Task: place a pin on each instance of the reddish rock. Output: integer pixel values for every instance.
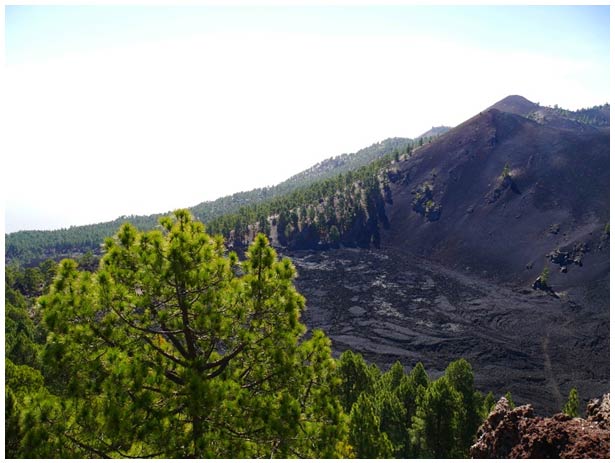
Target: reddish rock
(517, 433)
(598, 411)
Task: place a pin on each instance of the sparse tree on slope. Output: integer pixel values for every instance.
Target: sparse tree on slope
(571, 408)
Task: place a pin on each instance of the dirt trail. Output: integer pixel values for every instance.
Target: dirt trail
(549, 372)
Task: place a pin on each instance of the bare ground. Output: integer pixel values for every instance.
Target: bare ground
(389, 306)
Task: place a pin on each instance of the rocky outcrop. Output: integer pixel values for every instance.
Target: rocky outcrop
(424, 203)
(517, 433)
(504, 184)
(599, 411)
(565, 257)
(540, 284)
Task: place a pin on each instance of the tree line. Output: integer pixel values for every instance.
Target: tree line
(31, 247)
(346, 209)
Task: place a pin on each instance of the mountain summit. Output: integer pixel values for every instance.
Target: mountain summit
(515, 104)
(508, 191)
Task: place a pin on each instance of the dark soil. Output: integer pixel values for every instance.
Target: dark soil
(389, 306)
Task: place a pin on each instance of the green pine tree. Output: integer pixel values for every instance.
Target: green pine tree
(435, 424)
(174, 348)
(488, 404)
(365, 436)
(460, 376)
(354, 378)
(571, 408)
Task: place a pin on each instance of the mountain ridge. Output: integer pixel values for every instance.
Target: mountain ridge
(22, 245)
(63, 240)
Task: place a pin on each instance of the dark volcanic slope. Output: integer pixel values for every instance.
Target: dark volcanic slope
(391, 306)
(516, 104)
(557, 197)
(474, 216)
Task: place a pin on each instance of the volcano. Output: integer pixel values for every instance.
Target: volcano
(517, 194)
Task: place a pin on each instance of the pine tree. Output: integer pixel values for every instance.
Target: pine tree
(354, 378)
(505, 171)
(508, 396)
(460, 376)
(365, 436)
(544, 276)
(434, 427)
(488, 404)
(175, 349)
(571, 408)
(393, 421)
(409, 390)
(334, 235)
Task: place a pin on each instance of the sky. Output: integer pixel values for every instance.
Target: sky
(115, 111)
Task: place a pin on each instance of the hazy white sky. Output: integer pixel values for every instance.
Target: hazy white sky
(134, 110)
